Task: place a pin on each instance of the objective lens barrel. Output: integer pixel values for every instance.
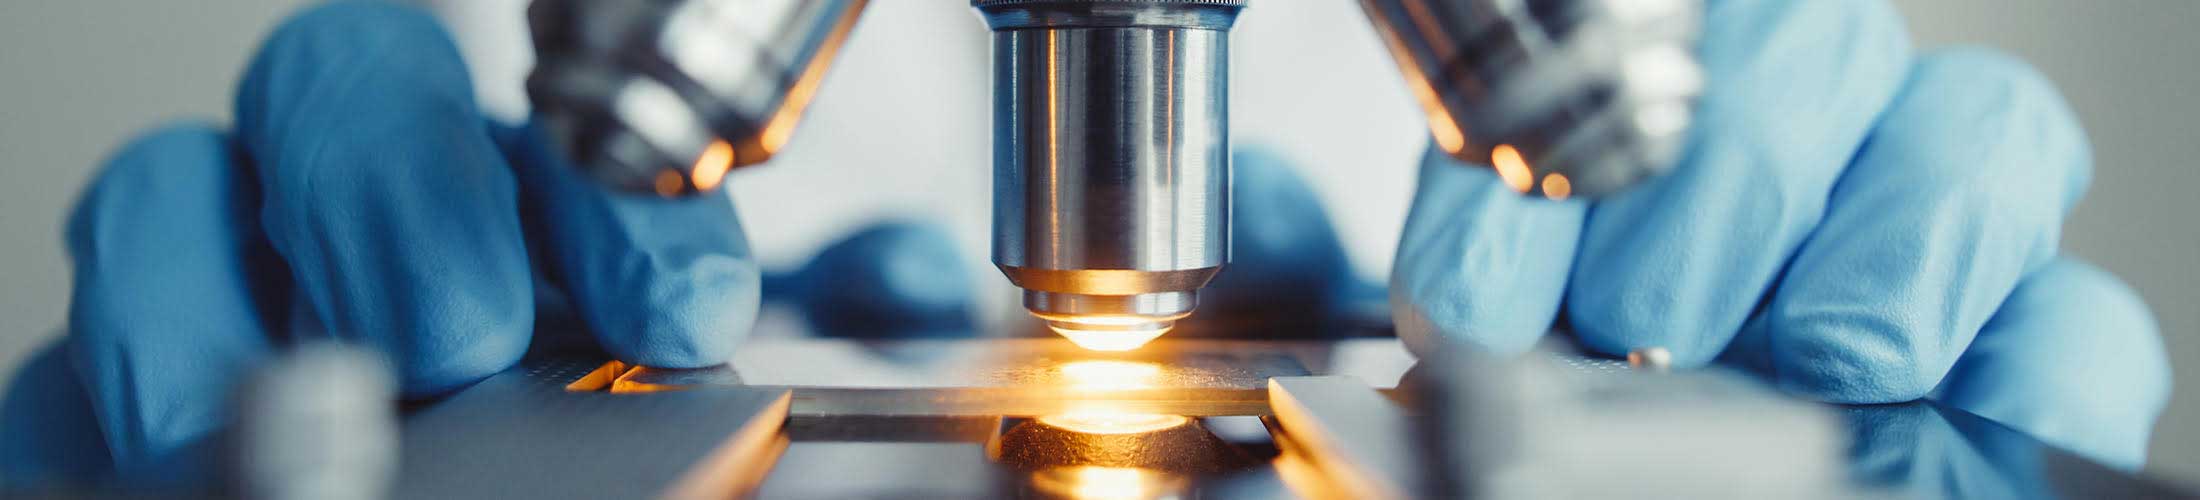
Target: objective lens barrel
(1562, 97)
(1111, 173)
(666, 95)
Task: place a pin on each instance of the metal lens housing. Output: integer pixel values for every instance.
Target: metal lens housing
(1111, 173)
(1562, 97)
(666, 95)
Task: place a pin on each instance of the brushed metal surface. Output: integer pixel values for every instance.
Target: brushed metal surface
(1353, 438)
(636, 93)
(530, 433)
(523, 434)
(1598, 94)
(1028, 377)
(1111, 153)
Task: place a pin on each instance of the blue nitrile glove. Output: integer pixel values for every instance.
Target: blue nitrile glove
(1288, 275)
(1858, 223)
(899, 279)
(361, 196)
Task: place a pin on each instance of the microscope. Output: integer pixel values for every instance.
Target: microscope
(1111, 143)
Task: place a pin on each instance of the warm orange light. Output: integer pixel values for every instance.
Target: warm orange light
(1109, 333)
(782, 123)
(669, 183)
(1556, 187)
(780, 127)
(1101, 421)
(1512, 167)
(1446, 131)
(1109, 375)
(600, 378)
(1440, 123)
(1087, 482)
(1302, 478)
(1110, 340)
(711, 167)
(1103, 417)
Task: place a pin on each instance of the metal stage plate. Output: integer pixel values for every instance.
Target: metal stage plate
(1033, 376)
(1039, 418)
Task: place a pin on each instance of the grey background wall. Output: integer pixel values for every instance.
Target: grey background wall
(77, 77)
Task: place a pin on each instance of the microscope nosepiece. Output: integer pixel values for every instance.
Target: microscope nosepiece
(1111, 174)
(666, 96)
(1561, 97)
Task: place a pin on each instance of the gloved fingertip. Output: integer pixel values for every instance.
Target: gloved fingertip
(444, 358)
(48, 433)
(1938, 217)
(1683, 261)
(1479, 265)
(2075, 358)
(133, 172)
(172, 292)
(891, 278)
(1425, 331)
(1852, 359)
(353, 36)
(1991, 91)
(384, 193)
(690, 315)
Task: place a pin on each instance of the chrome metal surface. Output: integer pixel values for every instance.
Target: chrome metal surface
(1543, 425)
(1352, 440)
(1033, 377)
(524, 434)
(871, 468)
(1564, 97)
(1111, 174)
(665, 96)
(1024, 376)
(1040, 363)
(528, 433)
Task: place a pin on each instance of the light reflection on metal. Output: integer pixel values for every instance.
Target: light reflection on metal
(669, 183)
(1347, 432)
(1102, 417)
(1103, 421)
(1111, 159)
(1085, 482)
(1650, 358)
(1601, 90)
(600, 378)
(1300, 476)
(711, 167)
(1109, 333)
(1441, 125)
(782, 123)
(1107, 374)
(632, 91)
(1167, 443)
(1512, 168)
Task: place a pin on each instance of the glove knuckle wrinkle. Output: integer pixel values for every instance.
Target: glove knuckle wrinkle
(1862, 368)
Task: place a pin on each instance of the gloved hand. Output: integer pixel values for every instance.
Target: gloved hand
(363, 196)
(1855, 222)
